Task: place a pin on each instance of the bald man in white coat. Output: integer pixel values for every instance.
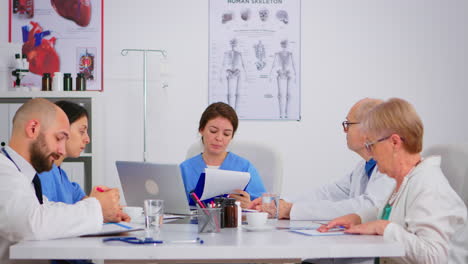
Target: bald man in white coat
(40, 130)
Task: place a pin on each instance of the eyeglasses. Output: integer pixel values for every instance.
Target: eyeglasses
(369, 145)
(346, 125)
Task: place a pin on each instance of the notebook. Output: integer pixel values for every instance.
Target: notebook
(145, 180)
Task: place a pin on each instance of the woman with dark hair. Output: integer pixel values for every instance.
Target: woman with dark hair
(217, 127)
(55, 183)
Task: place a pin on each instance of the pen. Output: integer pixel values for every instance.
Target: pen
(195, 198)
(99, 189)
(189, 241)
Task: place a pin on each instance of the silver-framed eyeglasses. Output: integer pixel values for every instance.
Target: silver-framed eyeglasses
(369, 145)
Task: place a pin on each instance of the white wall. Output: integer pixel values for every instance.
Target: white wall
(417, 50)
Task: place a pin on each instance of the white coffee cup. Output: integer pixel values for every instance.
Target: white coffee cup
(257, 218)
(135, 212)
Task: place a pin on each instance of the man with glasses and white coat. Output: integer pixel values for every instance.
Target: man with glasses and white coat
(363, 187)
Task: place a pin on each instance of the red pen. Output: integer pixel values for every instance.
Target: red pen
(197, 200)
(99, 189)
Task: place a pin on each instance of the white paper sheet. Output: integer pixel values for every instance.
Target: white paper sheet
(219, 182)
(109, 229)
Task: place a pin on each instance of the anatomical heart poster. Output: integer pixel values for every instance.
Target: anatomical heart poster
(255, 57)
(59, 36)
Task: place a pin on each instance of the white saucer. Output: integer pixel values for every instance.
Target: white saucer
(258, 228)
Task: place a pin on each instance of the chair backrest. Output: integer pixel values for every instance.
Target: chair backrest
(265, 158)
(454, 165)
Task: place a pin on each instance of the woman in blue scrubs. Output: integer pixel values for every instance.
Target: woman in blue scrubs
(55, 183)
(217, 127)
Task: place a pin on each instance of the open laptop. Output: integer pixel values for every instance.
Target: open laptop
(145, 180)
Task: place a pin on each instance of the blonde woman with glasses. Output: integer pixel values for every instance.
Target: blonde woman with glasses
(423, 212)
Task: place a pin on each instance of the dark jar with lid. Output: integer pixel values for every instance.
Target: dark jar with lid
(46, 82)
(67, 82)
(80, 82)
(220, 202)
(230, 213)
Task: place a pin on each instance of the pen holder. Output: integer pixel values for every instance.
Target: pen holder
(209, 220)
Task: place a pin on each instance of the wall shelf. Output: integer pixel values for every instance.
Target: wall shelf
(11, 100)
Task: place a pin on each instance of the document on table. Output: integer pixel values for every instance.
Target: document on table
(218, 182)
(298, 225)
(109, 229)
(314, 232)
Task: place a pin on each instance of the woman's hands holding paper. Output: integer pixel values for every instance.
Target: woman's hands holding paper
(242, 196)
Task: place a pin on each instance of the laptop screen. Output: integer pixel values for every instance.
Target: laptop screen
(145, 180)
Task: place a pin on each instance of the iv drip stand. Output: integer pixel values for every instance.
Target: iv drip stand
(124, 52)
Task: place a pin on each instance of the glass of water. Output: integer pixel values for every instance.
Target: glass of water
(154, 214)
(270, 204)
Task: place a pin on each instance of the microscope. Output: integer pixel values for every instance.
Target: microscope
(21, 69)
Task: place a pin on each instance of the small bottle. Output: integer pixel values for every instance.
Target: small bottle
(25, 62)
(80, 82)
(46, 82)
(57, 82)
(230, 213)
(67, 82)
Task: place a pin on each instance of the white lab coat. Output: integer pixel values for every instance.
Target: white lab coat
(23, 218)
(424, 216)
(459, 247)
(348, 195)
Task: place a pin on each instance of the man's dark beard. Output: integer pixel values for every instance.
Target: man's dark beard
(40, 159)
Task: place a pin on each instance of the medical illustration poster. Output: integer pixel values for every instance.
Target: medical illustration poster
(59, 36)
(254, 57)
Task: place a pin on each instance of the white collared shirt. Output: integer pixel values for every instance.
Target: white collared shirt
(24, 218)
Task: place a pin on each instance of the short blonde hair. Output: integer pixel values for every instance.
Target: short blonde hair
(396, 116)
(364, 106)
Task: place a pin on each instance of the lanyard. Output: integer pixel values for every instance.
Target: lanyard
(9, 157)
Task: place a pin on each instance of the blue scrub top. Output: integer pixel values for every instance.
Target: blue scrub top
(195, 166)
(57, 187)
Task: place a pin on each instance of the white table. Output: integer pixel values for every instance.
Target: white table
(231, 245)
